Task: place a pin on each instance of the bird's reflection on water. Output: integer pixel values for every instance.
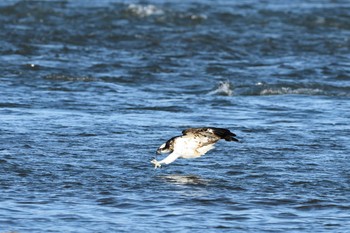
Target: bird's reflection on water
(185, 179)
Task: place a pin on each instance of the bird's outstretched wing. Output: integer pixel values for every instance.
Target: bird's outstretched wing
(211, 132)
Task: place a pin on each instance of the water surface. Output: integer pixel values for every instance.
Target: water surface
(88, 91)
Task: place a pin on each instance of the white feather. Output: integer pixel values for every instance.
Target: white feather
(205, 149)
(191, 147)
(170, 158)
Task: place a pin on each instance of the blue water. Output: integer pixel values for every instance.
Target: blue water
(90, 90)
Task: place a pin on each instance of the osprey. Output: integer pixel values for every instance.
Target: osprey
(193, 143)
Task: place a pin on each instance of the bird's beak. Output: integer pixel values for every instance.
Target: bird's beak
(158, 152)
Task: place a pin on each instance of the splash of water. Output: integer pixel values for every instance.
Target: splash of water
(224, 88)
(144, 10)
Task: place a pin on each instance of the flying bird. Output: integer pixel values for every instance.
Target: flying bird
(193, 143)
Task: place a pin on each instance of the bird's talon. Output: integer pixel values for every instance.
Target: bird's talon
(156, 163)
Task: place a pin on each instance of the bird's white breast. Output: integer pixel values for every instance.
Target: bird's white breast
(190, 147)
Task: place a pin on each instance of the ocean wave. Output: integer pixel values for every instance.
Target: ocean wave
(174, 109)
(144, 10)
(223, 88)
(227, 88)
(289, 90)
(265, 89)
(63, 77)
(163, 15)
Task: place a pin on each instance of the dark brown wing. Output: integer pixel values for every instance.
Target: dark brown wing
(221, 133)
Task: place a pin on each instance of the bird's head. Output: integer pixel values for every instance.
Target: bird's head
(163, 149)
(167, 147)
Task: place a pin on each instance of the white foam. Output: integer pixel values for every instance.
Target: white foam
(144, 10)
(199, 17)
(288, 90)
(224, 88)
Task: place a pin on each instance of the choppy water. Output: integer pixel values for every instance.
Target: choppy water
(89, 90)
